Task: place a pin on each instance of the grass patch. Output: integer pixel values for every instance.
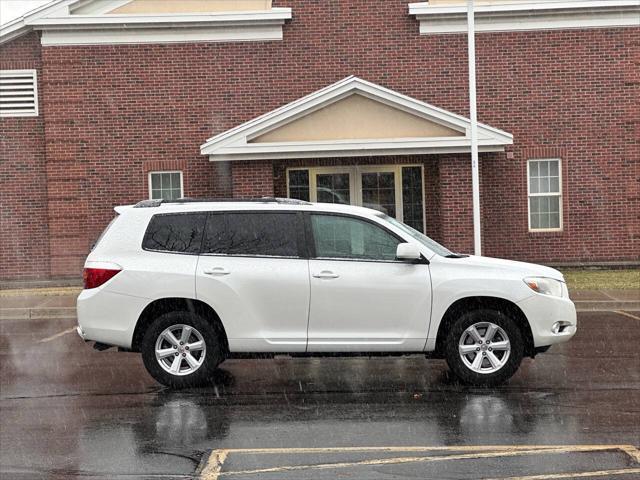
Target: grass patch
(581, 279)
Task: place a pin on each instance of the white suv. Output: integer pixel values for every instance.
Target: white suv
(191, 283)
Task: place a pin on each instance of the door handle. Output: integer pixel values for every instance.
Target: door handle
(325, 274)
(216, 271)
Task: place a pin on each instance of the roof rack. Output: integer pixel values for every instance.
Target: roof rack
(282, 201)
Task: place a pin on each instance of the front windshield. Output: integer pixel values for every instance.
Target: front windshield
(421, 237)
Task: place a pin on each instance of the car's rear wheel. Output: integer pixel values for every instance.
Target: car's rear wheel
(484, 347)
(181, 349)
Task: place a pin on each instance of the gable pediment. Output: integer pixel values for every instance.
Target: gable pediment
(352, 117)
(356, 117)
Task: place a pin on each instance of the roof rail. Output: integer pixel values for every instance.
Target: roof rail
(148, 203)
(282, 201)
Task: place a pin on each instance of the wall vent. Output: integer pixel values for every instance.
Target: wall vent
(18, 93)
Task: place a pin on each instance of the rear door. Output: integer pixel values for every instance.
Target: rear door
(254, 273)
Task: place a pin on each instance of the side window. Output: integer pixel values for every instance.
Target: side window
(181, 233)
(346, 237)
(261, 234)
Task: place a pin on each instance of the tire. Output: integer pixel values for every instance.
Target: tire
(464, 350)
(199, 368)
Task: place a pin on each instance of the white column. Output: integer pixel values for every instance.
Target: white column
(475, 174)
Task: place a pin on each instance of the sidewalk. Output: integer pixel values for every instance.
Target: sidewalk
(60, 302)
(38, 303)
(606, 300)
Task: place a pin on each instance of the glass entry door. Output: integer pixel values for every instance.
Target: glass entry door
(333, 188)
(378, 191)
(397, 190)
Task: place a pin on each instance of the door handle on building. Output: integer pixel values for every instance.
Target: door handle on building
(325, 274)
(216, 271)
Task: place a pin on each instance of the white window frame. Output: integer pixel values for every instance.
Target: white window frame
(355, 183)
(166, 171)
(558, 194)
(34, 76)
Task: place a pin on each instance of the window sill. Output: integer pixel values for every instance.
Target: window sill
(546, 231)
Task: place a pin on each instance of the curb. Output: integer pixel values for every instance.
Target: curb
(30, 284)
(606, 305)
(37, 313)
(41, 292)
(70, 312)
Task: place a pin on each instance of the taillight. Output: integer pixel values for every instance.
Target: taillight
(94, 277)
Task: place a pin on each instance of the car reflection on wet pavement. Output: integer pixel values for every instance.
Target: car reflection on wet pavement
(71, 412)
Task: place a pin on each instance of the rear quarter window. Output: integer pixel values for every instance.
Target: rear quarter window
(178, 233)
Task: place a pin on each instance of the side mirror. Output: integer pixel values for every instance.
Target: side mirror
(408, 252)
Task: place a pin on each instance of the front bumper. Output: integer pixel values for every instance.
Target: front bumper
(543, 312)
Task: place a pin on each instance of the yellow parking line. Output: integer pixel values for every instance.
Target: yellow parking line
(461, 448)
(627, 314)
(212, 468)
(555, 476)
(632, 451)
(401, 460)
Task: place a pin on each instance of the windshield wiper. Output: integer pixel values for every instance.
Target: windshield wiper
(456, 255)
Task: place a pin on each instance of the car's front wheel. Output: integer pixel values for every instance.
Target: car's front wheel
(181, 349)
(484, 347)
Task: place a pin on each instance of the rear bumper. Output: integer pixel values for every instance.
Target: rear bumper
(543, 312)
(108, 317)
(80, 332)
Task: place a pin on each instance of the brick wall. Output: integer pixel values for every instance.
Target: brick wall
(111, 110)
(24, 244)
(252, 179)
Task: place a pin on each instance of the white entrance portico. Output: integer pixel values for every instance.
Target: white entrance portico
(355, 118)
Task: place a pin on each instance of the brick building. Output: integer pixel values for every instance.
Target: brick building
(108, 102)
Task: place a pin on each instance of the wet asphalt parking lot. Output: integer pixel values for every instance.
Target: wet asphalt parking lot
(68, 411)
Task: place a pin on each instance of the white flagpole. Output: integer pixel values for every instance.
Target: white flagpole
(475, 175)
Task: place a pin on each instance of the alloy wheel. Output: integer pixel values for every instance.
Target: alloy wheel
(484, 347)
(180, 349)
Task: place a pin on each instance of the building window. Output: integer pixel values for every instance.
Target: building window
(397, 190)
(165, 185)
(545, 195)
(413, 197)
(299, 184)
(18, 93)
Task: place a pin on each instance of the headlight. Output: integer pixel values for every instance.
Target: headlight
(546, 286)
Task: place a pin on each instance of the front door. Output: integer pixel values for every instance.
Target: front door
(362, 299)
